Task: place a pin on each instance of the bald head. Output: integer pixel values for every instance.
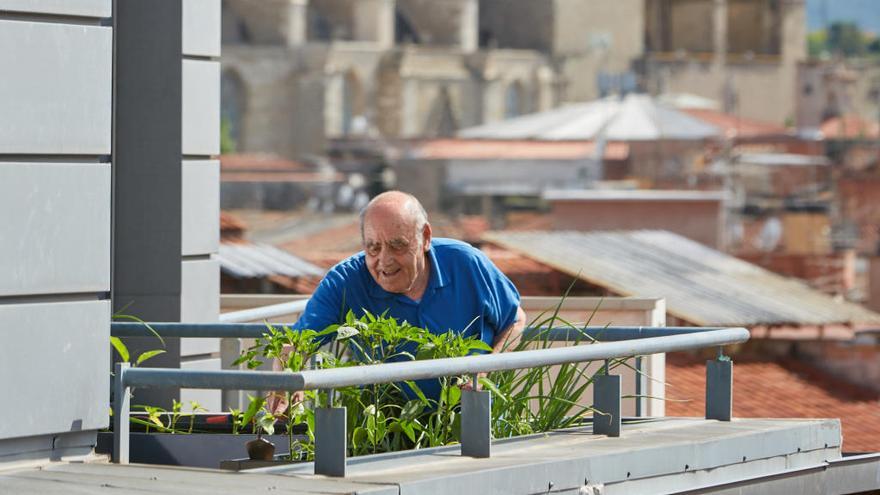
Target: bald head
(396, 206)
(397, 237)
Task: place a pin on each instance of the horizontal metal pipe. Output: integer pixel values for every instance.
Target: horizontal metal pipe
(196, 330)
(609, 333)
(255, 330)
(264, 312)
(432, 368)
(226, 379)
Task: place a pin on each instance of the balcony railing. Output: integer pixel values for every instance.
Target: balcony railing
(330, 423)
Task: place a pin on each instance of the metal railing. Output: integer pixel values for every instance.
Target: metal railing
(264, 312)
(330, 423)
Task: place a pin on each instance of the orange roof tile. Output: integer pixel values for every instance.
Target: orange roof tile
(785, 388)
(476, 149)
(850, 127)
(734, 126)
(260, 162)
(510, 262)
(231, 227)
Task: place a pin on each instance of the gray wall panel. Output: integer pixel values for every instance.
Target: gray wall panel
(201, 107)
(209, 399)
(55, 92)
(55, 221)
(59, 356)
(201, 28)
(83, 8)
(200, 207)
(200, 291)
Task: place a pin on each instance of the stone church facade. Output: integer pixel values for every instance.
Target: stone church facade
(298, 74)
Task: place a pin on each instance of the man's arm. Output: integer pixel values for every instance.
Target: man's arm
(510, 335)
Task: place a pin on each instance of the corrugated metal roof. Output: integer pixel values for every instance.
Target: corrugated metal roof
(246, 260)
(782, 159)
(632, 195)
(635, 118)
(701, 285)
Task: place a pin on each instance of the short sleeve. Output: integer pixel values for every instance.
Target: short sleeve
(501, 297)
(325, 306)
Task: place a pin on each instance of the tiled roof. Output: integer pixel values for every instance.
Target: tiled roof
(734, 126)
(260, 162)
(701, 285)
(231, 227)
(779, 389)
(850, 127)
(476, 149)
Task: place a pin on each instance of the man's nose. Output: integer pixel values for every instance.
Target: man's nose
(385, 257)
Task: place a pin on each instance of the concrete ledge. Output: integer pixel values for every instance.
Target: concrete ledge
(668, 455)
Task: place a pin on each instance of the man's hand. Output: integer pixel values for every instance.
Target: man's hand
(277, 404)
(503, 340)
(469, 384)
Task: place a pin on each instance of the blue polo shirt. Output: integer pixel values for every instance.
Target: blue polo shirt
(465, 293)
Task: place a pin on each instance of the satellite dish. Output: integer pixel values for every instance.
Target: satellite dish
(770, 235)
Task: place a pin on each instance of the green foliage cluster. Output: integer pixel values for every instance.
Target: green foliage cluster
(398, 416)
(843, 39)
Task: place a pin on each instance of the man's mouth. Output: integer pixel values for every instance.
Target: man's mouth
(389, 273)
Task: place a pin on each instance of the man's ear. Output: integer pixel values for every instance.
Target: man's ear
(426, 237)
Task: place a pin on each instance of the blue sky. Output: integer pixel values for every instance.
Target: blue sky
(866, 13)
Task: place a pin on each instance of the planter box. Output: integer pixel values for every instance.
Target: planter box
(244, 464)
(194, 450)
(213, 443)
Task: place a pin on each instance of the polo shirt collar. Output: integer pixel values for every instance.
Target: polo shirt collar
(437, 279)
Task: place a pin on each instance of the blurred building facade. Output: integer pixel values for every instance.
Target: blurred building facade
(744, 53)
(418, 68)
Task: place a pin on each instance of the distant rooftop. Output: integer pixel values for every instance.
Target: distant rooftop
(783, 159)
(637, 117)
(786, 388)
(632, 195)
(485, 149)
(248, 260)
(736, 126)
(702, 286)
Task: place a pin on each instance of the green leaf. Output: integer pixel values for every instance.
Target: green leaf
(255, 405)
(490, 385)
(453, 395)
(149, 354)
(346, 332)
(267, 423)
(479, 345)
(120, 347)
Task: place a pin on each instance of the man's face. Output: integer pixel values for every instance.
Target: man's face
(395, 253)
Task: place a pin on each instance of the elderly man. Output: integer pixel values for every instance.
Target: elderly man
(438, 284)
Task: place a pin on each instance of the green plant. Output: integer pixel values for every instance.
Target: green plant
(397, 416)
(123, 351)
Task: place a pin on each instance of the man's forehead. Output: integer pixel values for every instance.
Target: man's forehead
(388, 225)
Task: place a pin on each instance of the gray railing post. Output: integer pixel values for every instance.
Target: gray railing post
(719, 389)
(330, 448)
(606, 400)
(476, 423)
(121, 410)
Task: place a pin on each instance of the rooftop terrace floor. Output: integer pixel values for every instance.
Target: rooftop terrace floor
(669, 455)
